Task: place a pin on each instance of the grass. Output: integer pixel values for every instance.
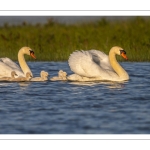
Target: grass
(54, 41)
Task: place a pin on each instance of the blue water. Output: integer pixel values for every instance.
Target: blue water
(63, 107)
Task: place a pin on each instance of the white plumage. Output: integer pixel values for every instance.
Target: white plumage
(96, 65)
(7, 66)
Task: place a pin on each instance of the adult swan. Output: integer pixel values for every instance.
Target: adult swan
(94, 65)
(7, 65)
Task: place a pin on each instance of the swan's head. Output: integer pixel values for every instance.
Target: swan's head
(64, 74)
(123, 54)
(28, 75)
(28, 51)
(60, 73)
(32, 54)
(13, 74)
(119, 51)
(44, 74)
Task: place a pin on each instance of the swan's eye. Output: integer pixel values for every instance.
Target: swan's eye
(32, 54)
(122, 51)
(31, 51)
(123, 54)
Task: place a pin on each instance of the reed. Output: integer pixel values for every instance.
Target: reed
(54, 41)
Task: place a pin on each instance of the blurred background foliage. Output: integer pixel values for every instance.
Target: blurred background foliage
(55, 41)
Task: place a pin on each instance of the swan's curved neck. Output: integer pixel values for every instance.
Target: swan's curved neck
(123, 75)
(23, 63)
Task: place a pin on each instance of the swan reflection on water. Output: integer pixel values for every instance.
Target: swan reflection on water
(109, 84)
(5, 83)
(116, 86)
(23, 85)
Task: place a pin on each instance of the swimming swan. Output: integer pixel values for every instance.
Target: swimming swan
(7, 65)
(62, 75)
(94, 65)
(44, 77)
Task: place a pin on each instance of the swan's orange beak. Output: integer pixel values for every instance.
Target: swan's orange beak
(32, 55)
(124, 56)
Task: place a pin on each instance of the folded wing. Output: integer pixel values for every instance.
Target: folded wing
(90, 63)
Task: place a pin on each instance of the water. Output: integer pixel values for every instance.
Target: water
(63, 107)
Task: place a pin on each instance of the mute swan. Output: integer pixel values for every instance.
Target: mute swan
(13, 74)
(44, 77)
(95, 65)
(62, 75)
(7, 65)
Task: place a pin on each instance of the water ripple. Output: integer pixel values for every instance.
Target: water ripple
(75, 107)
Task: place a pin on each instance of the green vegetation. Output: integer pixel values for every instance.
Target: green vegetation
(54, 41)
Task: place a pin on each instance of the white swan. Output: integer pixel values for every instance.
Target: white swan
(44, 77)
(62, 75)
(95, 65)
(7, 65)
